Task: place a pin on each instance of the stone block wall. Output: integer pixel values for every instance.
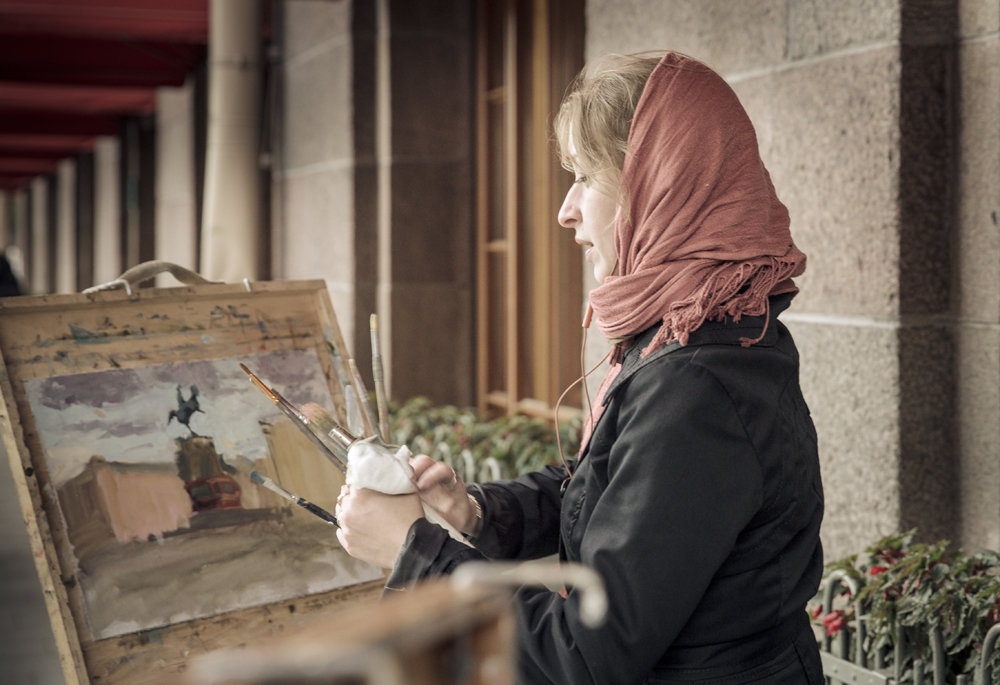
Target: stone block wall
(372, 186)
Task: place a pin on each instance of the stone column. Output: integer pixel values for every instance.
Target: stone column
(41, 246)
(426, 229)
(176, 233)
(107, 210)
(65, 243)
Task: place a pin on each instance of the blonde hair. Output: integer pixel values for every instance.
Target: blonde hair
(597, 113)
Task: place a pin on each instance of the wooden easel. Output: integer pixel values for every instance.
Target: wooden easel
(434, 633)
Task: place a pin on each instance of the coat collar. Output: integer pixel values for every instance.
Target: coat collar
(726, 332)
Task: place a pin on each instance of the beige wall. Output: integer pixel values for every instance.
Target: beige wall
(882, 141)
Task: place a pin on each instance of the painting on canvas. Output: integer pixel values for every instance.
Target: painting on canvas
(151, 469)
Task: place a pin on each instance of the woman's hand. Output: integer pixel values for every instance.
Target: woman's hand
(441, 488)
(373, 526)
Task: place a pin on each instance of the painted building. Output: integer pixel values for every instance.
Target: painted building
(123, 502)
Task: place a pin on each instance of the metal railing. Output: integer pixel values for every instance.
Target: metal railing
(846, 659)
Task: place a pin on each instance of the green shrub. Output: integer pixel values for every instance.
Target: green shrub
(920, 587)
(480, 448)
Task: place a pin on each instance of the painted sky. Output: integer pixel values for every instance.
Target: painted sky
(122, 414)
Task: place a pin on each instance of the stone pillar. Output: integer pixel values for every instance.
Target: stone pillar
(19, 237)
(6, 214)
(107, 210)
(65, 243)
(372, 183)
(38, 266)
(317, 168)
(426, 231)
(176, 233)
(233, 245)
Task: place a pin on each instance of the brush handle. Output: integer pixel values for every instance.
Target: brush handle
(318, 511)
(367, 413)
(378, 375)
(303, 425)
(273, 487)
(261, 479)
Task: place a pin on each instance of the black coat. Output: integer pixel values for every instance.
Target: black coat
(698, 500)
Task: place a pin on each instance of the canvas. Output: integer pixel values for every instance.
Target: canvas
(151, 466)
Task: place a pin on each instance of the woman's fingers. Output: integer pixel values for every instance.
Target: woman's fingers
(373, 526)
(421, 463)
(434, 474)
(444, 490)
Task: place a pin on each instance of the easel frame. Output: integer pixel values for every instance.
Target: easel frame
(51, 335)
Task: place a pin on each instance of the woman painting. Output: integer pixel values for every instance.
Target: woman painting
(696, 494)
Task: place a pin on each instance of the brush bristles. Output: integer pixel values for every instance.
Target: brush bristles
(318, 417)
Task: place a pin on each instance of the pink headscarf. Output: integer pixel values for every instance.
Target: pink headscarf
(704, 235)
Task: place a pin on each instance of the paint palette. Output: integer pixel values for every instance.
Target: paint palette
(131, 433)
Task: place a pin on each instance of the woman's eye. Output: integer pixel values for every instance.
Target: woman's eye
(580, 179)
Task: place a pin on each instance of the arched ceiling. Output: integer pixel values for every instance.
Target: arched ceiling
(71, 69)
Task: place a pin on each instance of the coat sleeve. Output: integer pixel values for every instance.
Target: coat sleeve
(683, 481)
(507, 505)
(521, 516)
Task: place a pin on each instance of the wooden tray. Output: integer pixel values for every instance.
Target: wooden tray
(130, 431)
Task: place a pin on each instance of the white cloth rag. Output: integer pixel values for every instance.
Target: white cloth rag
(375, 466)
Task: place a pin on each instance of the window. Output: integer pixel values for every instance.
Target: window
(529, 271)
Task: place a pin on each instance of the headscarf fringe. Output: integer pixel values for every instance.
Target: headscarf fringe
(731, 291)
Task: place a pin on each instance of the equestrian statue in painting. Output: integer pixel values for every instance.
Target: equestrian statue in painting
(185, 409)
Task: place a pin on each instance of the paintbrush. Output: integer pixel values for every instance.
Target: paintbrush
(368, 414)
(379, 378)
(320, 420)
(352, 405)
(260, 479)
(336, 441)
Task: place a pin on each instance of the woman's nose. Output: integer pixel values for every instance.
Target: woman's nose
(569, 214)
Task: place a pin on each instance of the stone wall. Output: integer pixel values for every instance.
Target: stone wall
(877, 120)
(373, 185)
(370, 124)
